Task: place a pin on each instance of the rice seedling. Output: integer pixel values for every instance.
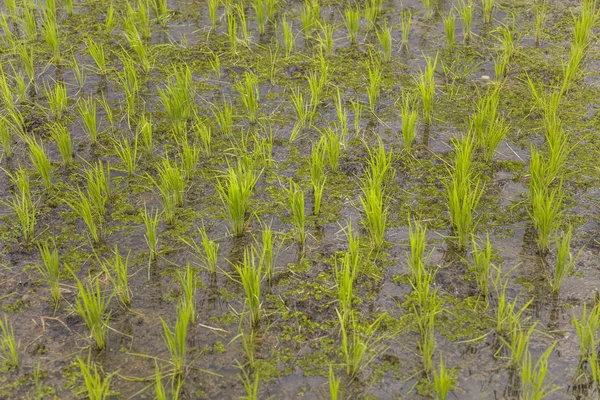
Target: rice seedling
(352, 21)
(482, 258)
(539, 21)
(96, 50)
(236, 189)
(317, 174)
(178, 98)
(151, 223)
(145, 130)
(87, 110)
(50, 270)
(359, 346)
(98, 186)
(6, 138)
(188, 281)
(508, 316)
(371, 15)
(449, 23)
(426, 87)
(26, 209)
(417, 239)
(332, 146)
(51, 36)
(487, 7)
(250, 386)
(176, 339)
(110, 21)
(11, 7)
(57, 99)
(241, 13)
(296, 201)
(405, 20)
(9, 348)
(288, 36)
(442, 381)
(117, 271)
(586, 327)
(325, 37)
(108, 111)
(533, 386)
(463, 198)
(582, 25)
(374, 88)
(315, 84)
(266, 255)
(310, 17)
(224, 116)
(83, 207)
(564, 259)
(545, 214)
(465, 10)
(376, 214)
(171, 182)
(61, 135)
(384, 36)
(127, 153)
(213, 7)
(517, 343)
(28, 60)
(92, 305)
(303, 110)
(129, 83)
(260, 10)
(409, 122)
(4, 23)
(29, 23)
(161, 11)
(428, 5)
(210, 249)
(357, 108)
(249, 94)
(41, 162)
(345, 276)
(250, 278)
(271, 6)
(96, 386)
(334, 384)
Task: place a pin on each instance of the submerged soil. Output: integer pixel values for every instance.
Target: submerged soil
(299, 336)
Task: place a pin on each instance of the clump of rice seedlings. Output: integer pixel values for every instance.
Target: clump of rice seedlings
(29, 23)
(357, 108)
(176, 339)
(533, 377)
(87, 110)
(97, 386)
(171, 185)
(464, 191)
(249, 346)
(210, 250)
(266, 255)
(296, 201)
(428, 5)
(442, 381)
(108, 111)
(417, 238)
(57, 99)
(129, 83)
(384, 36)
(110, 21)
(151, 223)
(360, 345)
(303, 111)
(41, 162)
(376, 213)
(465, 10)
(188, 281)
(482, 258)
(564, 259)
(545, 214)
(507, 314)
(310, 17)
(204, 132)
(325, 37)
(345, 276)
(372, 11)
(92, 306)
(127, 153)
(25, 208)
(62, 137)
(352, 21)
(487, 7)
(249, 94)
(250, 277)
(9, 348)
(145, 130)
(288, 36)
(232, 28)
(213, 7)
(28, 61)
(517, 343)
(9, 37)
(374, 88)
(224, 116)
(96, 50)
(449, 23)
(83, 207)
(409, 122)
(6, 138)
(426, 86)
(539, 21)
(315, 84)
(178, 98)
(582, 25)
(117, 271)
(405, 20)
(190, 158)
(51, 35)
(236, 190)
(586, 328)
(241, 13)
(342, 117)
(271, 6)
(50, 270)
(334, 384)
(318, 161)
(161, 11)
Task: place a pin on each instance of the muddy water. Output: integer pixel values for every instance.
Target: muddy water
(298, 338)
